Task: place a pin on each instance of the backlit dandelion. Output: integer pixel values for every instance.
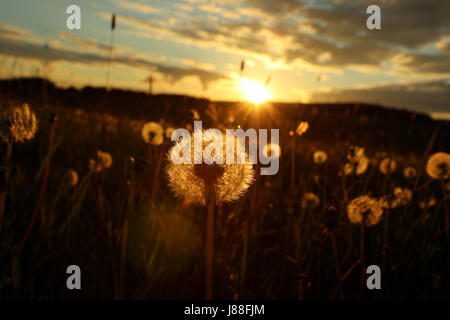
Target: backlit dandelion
(153, 133)
(320, 157)
(438, 166)
(192, 181)
(18, 124)
(410, 172)
(427, 203)
(272, 150)
(400, 197)
(209, 183)
(70, 179)
(310, 200)
(168, 132)
(365, 210)
(358, 162)
(103, 161)
(388, 166)
(302, 128)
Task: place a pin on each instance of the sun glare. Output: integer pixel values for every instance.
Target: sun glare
(254, 91)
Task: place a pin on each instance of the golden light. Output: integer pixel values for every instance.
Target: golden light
(254, 91)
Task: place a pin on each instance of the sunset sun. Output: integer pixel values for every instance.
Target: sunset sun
(254, 91)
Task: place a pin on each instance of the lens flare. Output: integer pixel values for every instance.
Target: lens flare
(254, 91)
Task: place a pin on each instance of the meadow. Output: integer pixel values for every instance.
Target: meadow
(294, 235)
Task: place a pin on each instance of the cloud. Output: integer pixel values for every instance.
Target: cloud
(139, 7)
(319, 34)
(431, 96)
(48, 55)
(84, 44)
(14, 33)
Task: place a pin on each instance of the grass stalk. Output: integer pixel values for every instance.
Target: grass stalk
(4, 187)
(209, 248)
(42, 191)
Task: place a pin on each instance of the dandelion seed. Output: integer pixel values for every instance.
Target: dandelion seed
(302, 128)
(70, 179)
(272, 150)
(153, 133)
(388, 166)
(310, 200)
(192, 181)
(320, 157)
(365, 210)
(18, 123)
(410, 172)
(438, 166)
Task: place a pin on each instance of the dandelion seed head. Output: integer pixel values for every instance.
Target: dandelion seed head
(104, 160)
(359, 166)
(358, 162)
(400, 197)
(272, 150)
(355, 153)
(70, 178)
(320, 157)
(18, 123)
(168, 132)
(302, 128)
(388, 166)
(410, 172)
(192, 181)
(438, 166)
(153, 133)
(365, 210)
(310, 200)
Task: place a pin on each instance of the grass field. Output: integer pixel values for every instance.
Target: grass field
(134, 239)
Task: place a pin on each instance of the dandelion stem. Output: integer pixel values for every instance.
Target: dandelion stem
(446, 217)
(338, 268)
(209, 248)
(43, 189)
(363, 267)
(156, 176)
(4, 187)
(124, 240)
(293, 164)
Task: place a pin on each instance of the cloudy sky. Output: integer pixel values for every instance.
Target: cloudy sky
(312, 50)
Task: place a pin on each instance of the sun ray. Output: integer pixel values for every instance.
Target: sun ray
(254, 91)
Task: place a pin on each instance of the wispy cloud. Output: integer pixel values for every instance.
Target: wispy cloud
(431, 96)
(139, 7)
(48, 55)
